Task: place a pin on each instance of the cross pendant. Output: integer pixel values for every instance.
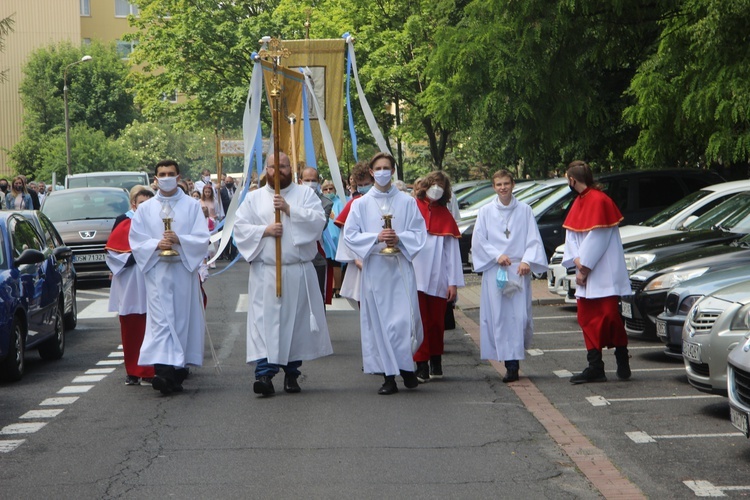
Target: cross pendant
(507, 233)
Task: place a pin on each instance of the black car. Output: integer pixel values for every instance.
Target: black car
(638, 194)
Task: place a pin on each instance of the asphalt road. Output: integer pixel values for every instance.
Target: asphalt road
(466, 436)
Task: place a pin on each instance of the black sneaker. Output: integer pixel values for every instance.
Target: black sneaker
(423, 372)
(410, 380)
(436, 366)
(132, 380)
(389, 386)
(588, 376)
(291, 385)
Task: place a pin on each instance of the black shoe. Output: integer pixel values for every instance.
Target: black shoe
(132, 380)
(180, 374)
(162, 385)
(589, 375)
(423, 372)
(389, 386)
(410, 379)
(623, 363)
(510, 376)
(436, 366)
(290, 384)
(264, 386)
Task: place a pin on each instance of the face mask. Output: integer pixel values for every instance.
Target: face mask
(572, 188)
(330, 195)
(4, 188)
(167, 183)
(207, 179)
(311, 184)
(382, 177)
(363, 189)
(435, 192)
(229, 185)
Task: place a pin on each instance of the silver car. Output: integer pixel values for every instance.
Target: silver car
(715, 325)
(738, 386)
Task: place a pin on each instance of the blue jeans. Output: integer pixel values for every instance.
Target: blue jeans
(264, 368)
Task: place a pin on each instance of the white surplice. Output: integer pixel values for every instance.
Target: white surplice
(438, 266)
(175, 323)
(389, 315)
(505, 322)
(291, 327)
(601, 251)
(127, 291)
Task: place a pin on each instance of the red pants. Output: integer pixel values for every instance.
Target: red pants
(132, 330)
(432, 312)
(601, 323)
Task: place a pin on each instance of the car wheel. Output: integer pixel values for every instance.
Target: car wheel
(13, 365)
(71, 319)
(54, 348)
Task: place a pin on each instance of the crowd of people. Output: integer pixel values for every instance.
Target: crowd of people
(392, 252)
(20, 194)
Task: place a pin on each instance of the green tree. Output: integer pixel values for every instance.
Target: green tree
(6, 28)
(692, 95)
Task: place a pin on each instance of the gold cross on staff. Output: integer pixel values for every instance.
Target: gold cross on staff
(276, 52)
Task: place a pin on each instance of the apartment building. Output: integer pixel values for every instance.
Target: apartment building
(39, 23)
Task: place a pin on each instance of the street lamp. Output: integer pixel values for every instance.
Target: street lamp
(65, 99)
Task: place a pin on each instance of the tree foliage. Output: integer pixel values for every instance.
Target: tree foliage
(6, 28)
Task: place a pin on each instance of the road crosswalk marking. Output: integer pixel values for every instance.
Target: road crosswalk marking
(641, 437)
(97, 309)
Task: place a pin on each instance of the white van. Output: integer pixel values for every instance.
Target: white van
(125, 180)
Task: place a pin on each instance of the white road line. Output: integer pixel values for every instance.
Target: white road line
(116, 354)
(99, 371)
(34, 414)
(109, 362)
(85, 379)
(571, 316)
(24, 428)
(707, 489)
(10, 445)
(566, 373)
(69, 400)
(96, 310)
(642, 437)
(83, 293)
(340, 305)
(539, 352)
(602, 401)
(75, 389)
(242, 303)
(558, 332)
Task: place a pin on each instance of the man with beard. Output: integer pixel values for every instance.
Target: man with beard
(282, 331)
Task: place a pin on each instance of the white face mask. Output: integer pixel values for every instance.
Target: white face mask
(382, 177)
(311, 184)
(167, 184)
(207, 179)
(435, 192)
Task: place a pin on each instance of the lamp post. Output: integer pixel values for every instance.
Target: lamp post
(65, 99)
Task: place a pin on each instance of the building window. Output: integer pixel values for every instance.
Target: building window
(85, 7)
(123, 8)
(125, 48)
(169, 96)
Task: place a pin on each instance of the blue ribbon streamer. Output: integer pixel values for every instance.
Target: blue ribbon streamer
(352, 132)
(309, 147)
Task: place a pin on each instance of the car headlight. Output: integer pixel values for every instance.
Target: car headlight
(635, 260)
(741, 320)
(688, 303)
(668, 280)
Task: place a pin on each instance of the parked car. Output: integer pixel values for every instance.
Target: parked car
(31, 295)
(682, 213)
(738, 386)
(681, 298)
(716, 324)
(84, 218)
(124, 180)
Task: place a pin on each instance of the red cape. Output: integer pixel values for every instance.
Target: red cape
(119, 237)
(341, 219)
(592, 209)
(439, 220)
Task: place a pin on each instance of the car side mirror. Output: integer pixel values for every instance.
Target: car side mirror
(689, 220)
(61, 253)
(29, 256)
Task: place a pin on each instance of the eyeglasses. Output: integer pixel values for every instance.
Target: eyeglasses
(329, 189)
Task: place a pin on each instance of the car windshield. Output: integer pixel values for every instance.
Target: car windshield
(81, 205)
(477, 195)
(732, 215)
(675, 208)
(123, 181)
(544, 203)
(532, 195)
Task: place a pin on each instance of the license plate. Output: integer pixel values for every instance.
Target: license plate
(692, 352)
(566, 285)
(627, 310)
(89, 257)
(661, 328)
(739, 420)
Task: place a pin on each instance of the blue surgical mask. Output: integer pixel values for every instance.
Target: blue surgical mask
(382, 177)
(364, 189)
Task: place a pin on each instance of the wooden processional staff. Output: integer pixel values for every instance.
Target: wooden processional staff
(275, 51)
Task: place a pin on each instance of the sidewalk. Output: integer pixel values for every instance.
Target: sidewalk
(468, 297)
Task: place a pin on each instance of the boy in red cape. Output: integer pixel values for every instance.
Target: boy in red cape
(594, 247)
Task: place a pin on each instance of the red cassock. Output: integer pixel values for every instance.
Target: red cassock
(599, 318)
